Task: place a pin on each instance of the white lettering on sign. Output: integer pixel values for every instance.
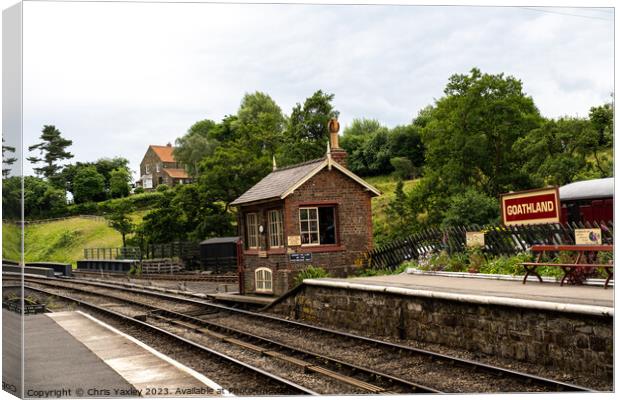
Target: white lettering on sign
(530, 208)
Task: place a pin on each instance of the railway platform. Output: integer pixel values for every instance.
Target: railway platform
(550, 292)
(71, 354)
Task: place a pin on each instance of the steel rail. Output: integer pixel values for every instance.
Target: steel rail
(292, 387)
(554, 384)
(156, 312)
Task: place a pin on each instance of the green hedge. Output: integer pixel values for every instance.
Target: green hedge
(140, 201)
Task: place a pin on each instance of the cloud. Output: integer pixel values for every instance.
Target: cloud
(116, 77)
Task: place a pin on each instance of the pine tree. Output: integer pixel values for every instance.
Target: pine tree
(52, 149)
(7, 160)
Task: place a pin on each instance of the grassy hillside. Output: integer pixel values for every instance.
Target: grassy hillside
(65, 240)
(11, 237)
(386, 184)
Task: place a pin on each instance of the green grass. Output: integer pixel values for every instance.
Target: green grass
(11, 242)
(64, 241)
(61, 241)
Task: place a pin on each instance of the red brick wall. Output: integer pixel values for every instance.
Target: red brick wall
(353, 225)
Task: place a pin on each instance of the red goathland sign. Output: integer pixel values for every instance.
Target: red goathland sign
(531, 207)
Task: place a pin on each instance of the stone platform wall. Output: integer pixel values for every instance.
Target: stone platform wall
(573, 342)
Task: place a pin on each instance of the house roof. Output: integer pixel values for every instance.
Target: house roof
(283, 181)
(178, 173)
(164, 152)
(591, 189)
(217, 240)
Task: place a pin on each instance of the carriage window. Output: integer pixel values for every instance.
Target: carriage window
(276, 231)
(317, 225)
(252, 230)
(263, 279)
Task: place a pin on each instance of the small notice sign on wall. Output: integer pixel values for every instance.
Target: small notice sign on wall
(588, 236)
(300, 257)
(294, 240)
(474, 239)
(262, 253)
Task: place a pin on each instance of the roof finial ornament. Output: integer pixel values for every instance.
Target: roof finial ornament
(274, 163)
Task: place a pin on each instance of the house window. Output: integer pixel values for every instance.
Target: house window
(251, 222)
(276, 230)
(157, 167)
(262, 277)
(317, 225)
(147, 168)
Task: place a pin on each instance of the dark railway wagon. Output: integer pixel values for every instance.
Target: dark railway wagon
(221, 255)
(588, 201)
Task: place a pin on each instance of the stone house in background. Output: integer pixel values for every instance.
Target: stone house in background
(315, 213)
(158, 167)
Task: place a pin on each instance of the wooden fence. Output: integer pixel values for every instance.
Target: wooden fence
(499, 240)
(44, 221)
(189, 252)
(112, 253)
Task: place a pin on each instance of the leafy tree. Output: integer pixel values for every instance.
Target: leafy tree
(187, 213)
(356, 141)
(196, 144)
(397, 209)
(556, 152)
(260, 123)
(88, 185)
(471, 130)
(602, 121)
(52, 150)
(230, 171)
(471, 207)
(6, 160)
(105, 166)
(120, 219)
(406, 141)
(11, 197)
(403, 167)
(306, 134)
(41, 199)
(119, 183)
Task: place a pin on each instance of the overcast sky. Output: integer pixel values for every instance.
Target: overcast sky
(116, 77)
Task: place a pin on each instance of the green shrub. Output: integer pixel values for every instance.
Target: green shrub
(310, 273)
(162, 188)
(138, 190)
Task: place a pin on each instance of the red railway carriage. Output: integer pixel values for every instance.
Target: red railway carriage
(588, 201)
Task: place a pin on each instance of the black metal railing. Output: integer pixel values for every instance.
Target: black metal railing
(498, 239)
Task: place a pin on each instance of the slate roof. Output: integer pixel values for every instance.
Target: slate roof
(164, 152)
(228, 239)
(178, 173)
(278, 182)
(591, 189)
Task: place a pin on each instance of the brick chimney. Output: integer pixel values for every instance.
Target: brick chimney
(338, 154)
(168, 144)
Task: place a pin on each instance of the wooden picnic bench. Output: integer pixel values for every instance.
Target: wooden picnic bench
(570, 269)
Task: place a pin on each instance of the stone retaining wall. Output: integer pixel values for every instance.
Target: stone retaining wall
(573, 342)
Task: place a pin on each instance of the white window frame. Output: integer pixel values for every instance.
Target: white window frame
(263, 280)
(252, 230)
(147, 169)
(157, 167)
(309, 231)
(276, 228)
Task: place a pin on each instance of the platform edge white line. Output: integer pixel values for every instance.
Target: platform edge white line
(162, 356)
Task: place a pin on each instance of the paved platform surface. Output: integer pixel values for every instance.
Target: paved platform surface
(533, 290)
(69, 354)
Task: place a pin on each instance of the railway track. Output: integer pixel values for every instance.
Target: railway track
(219, 322)
(255, 379)
(167, 277)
